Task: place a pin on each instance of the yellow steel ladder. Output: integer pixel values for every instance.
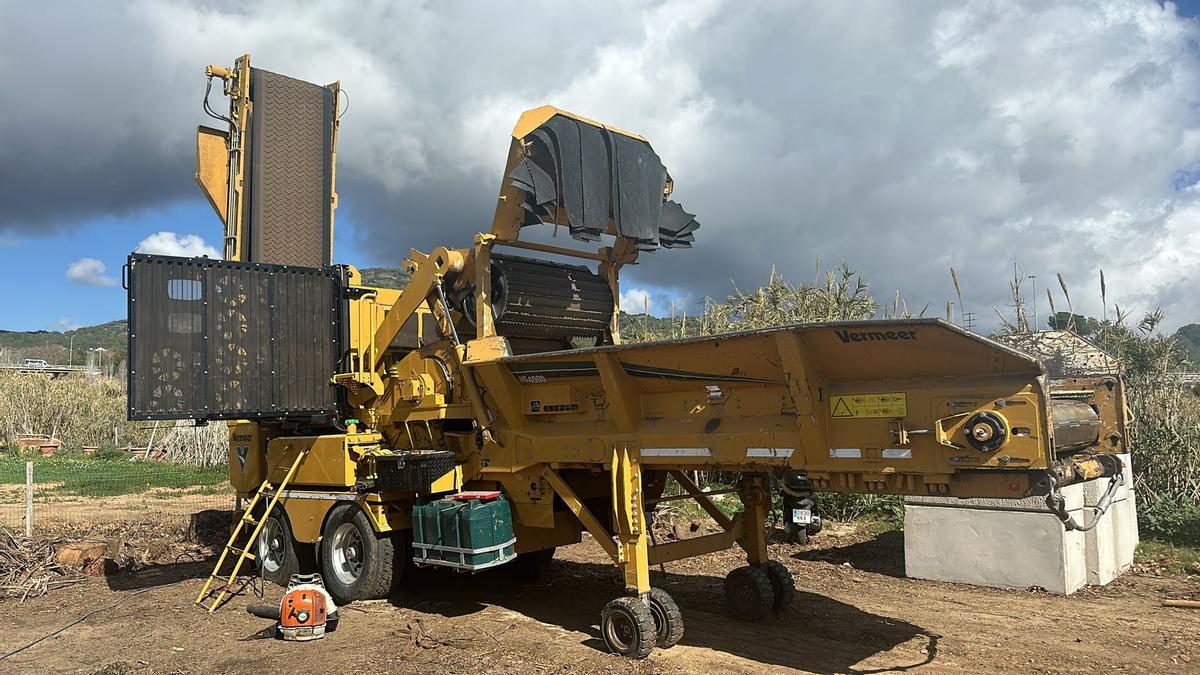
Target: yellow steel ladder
(243, 550)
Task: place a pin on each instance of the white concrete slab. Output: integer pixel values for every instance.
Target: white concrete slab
(1019, 543)
(1006, 549)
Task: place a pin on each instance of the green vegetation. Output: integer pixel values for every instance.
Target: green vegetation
(1174, 558)
(75, 410)
(1176, 523)
(1188, 339)
(384, 277)
(72, 473)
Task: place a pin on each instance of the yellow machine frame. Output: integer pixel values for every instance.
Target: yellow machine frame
(585, 438)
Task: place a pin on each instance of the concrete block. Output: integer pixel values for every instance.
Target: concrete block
(991, 547)
(1019, 543)
(1125, 528)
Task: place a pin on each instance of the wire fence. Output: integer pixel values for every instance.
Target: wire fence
(50, 494)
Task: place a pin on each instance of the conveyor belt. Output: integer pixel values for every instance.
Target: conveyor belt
(545, 300)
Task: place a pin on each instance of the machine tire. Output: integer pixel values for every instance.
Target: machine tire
(783, 587)
(627, 627)
(275, 551)
(795, 534)
(356, 563)
(668, 620)
(749, 594)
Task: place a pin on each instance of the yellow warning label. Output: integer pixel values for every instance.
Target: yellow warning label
(892, 404)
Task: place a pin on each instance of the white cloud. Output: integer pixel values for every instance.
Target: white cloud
(169, 243)
(65, 324)
(965, 133)
(90, 272)
(661, 301)
(634, 300)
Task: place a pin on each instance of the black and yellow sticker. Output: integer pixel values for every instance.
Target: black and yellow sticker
(851, 406)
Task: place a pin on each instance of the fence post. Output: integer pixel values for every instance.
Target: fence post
(28, 499)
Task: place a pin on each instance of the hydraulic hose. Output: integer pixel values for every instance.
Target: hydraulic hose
(1059, 505)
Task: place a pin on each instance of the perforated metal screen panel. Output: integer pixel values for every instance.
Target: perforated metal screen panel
(290, 175)
(210, 339)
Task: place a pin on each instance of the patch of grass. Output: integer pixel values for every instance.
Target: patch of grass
(199, 490)
(875, 525)
(91, 477)
(1176, 558)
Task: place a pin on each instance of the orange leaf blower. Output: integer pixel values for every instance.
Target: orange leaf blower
(306, 611)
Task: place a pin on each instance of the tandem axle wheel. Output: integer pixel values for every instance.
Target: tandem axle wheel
(633, 626)
(755, 591)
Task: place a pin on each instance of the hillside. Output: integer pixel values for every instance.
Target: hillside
(384, 277)
(1188, 338)
(56, 346)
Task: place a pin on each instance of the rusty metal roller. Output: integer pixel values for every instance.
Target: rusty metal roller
(1076, 425)
(545, 300)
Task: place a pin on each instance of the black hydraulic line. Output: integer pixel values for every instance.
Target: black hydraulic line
(1059, 506)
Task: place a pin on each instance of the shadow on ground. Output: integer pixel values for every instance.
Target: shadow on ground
(155, 575)
(816, 634)
(884, 554)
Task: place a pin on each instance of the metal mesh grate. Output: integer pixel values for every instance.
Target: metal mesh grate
(290, 181)
(211, 339)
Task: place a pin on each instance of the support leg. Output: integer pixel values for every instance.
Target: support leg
(628, 625)
(756, 499)
(630, 522)
(754, 591)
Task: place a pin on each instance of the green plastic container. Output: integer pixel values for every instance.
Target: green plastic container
(466, 532)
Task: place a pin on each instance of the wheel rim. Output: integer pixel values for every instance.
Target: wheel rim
(620, 631)
(270, 546)
(347, 553)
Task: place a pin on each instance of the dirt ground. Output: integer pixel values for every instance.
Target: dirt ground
(854, 613)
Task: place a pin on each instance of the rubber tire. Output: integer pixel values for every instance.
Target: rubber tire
(795, 534)
(380, 572)
(668, 620)
(632, 615)
(291, 560)
(783, 587)
(748, 593)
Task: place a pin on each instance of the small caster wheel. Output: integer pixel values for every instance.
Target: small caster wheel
(627, 625)
(749, 593)
(668, 620)
(782, 586)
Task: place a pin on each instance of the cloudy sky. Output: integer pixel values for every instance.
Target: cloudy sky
(899, 137)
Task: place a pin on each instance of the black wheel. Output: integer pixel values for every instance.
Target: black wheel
(783, 588)
(749, 594)
(628, 627)
(275, 550)
(356, 563)
(795, 534)
(668, 620)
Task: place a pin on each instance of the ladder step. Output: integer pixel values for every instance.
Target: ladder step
(248, 519)
(241, 552)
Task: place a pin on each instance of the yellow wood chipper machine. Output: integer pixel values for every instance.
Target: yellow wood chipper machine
(487, 411)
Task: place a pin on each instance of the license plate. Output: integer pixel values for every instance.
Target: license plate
(802, 516)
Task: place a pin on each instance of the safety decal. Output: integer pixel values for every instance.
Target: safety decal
(850, 406)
